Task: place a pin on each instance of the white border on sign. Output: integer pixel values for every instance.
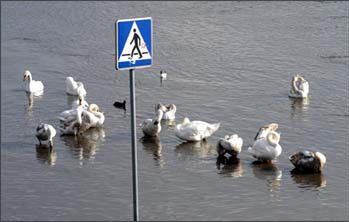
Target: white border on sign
(116, 67)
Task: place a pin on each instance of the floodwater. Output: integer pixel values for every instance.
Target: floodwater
(228, 62)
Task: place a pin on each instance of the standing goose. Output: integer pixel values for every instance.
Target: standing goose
(152, 127)
(308, 161)
(74, 88)
(195, 130)
(32, 86)
(45, 132)
(300, 87)
(230, 144)
(266, 148)
(168, 109)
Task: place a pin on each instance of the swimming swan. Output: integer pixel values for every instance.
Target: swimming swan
(308, 161)
(168, 109)
(195, 130)
(72, 122)
(45, 132)
(74, 88)
(152, 127)
(266, 148)
(91, 118)
(300, 87)
(230, 144)
(32, 86)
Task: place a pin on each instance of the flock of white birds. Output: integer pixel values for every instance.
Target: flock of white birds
(266, 148)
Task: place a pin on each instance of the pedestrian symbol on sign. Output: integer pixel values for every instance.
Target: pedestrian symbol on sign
(137, 42)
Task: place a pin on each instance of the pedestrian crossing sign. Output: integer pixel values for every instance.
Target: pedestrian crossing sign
(133, 43)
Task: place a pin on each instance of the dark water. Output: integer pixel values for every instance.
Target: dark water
(228, 62)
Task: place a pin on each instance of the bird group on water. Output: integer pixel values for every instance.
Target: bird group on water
(266, 146)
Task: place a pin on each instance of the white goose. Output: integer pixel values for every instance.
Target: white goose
(195, 130)
(91, 118)
(300, 87)
(264, 130)
(266, 148)
(230, 144)
(74, 88)
(152, 127)
(308, 161)
(45, 132)
(168, 109)
(32, 86)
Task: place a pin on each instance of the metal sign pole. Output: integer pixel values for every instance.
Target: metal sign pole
(134, 146)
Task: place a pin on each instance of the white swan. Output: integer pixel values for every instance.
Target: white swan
(168, 109)
(152, 127)
(32, 86)
(45, 132)
(195, 130)
(68, 115)
(308, 161)
(72, 122)
(91, 118)
(74, 88)
(300, 87)
(80, 102)
(264, 130)
(267, 148)
(230, 144)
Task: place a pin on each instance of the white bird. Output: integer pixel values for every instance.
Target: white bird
(74, 88)
(91, 118)
(308, 161)
(168, 109)
(45, 132)
(72, 123)
(195, 130)
(68, 115)
(266, 148)
(163, 75)
(230, 144)
(300, 87)
(32, 86)
(152, 127)
(264, 130)
(80, 102)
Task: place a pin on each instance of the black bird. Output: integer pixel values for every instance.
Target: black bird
(120, 105)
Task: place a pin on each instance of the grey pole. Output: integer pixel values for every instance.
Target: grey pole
(134, 146)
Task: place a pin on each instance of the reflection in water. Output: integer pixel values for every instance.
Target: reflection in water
(44, 155)
(202, 148)
(268, 172)
(231, 166)
(85, 146)
(309, 180)
(153, 145)
(167, 123)
(299, 106)
(30, 97)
